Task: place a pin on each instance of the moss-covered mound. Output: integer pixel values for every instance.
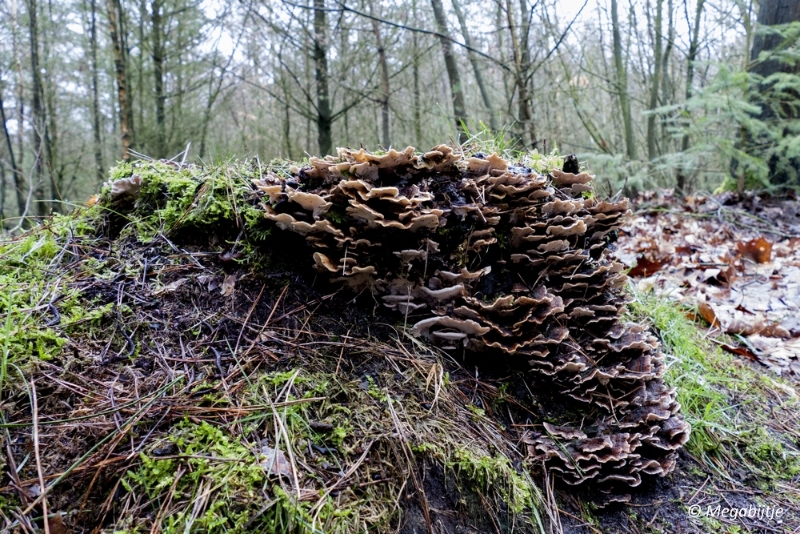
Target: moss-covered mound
(172, 362)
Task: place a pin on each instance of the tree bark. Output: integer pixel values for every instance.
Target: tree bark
(386, 140)
(690, 59)
(521, 67)
(37, 110)
(782, 168)
(476, 67)
(125, 126)
(324, 115)
(19, 88)
(456, 90)
(158, 74)
(415, 74)
(19, 183)
(771, 13)
(622, 84)
(98, 139)
(652, 151)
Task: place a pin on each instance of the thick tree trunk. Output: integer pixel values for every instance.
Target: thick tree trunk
(782, 168)
(654, 83)
(158, 74)
(125, 125)
(324, 115)
(476, 67)
(771, 13)
(456, 90)
(37, 110)
(690, 59)
(622, 84)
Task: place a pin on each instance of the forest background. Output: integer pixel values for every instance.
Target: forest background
(685, 94)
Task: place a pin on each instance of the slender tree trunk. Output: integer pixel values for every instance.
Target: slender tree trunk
(98, 139)
(690, 59)
(19, 87)
(287, 123)
(667, 92)
(525, 115)
(652, 151)
(37, 109)
(385, 139)
(122, 77)
(19, 183)
(499, 29)
(415, 74)
(622, 84)
(456, 90)
(324, 115)
(158, 74)
(525, 95)
(53, 163)
(476, 66)
(137, 98)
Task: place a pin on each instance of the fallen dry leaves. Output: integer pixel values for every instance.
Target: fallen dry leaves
(735, 260)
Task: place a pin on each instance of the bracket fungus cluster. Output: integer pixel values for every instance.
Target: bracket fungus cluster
(494, 258)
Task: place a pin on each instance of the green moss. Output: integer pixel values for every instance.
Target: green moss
(495, 472)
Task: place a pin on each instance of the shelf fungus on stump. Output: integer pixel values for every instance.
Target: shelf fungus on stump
(491, 257)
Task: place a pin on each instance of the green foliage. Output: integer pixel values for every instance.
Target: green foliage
(743, 126)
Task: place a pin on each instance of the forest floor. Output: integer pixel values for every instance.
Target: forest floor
(161, 374)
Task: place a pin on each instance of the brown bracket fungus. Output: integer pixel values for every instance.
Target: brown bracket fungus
(480, 254)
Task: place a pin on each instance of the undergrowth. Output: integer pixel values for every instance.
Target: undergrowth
(741, 417)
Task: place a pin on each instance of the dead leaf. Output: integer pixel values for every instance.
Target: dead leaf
(646, 267)
(228, 285)
(741, 351)
(56, 525)
(707, 313)
(275, 462)
(759, 250)
(169, 288)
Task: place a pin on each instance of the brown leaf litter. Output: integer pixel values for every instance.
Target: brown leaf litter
(736, 261)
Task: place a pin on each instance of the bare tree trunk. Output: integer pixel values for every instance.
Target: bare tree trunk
(783, 168)
(654, 83)
(415, 72)
(386, 140)
(476, 67)
(122, 78)
(158, 74)
(690, 58)
(667, 92)
(98, 139)
(324, 115)
(287, 124)
(19, 88)
(459, 107)
(54, 166)
(622, 84)
(521, 65)
(19, 183)
(525, 96)
(39, 120)
(501, 47)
